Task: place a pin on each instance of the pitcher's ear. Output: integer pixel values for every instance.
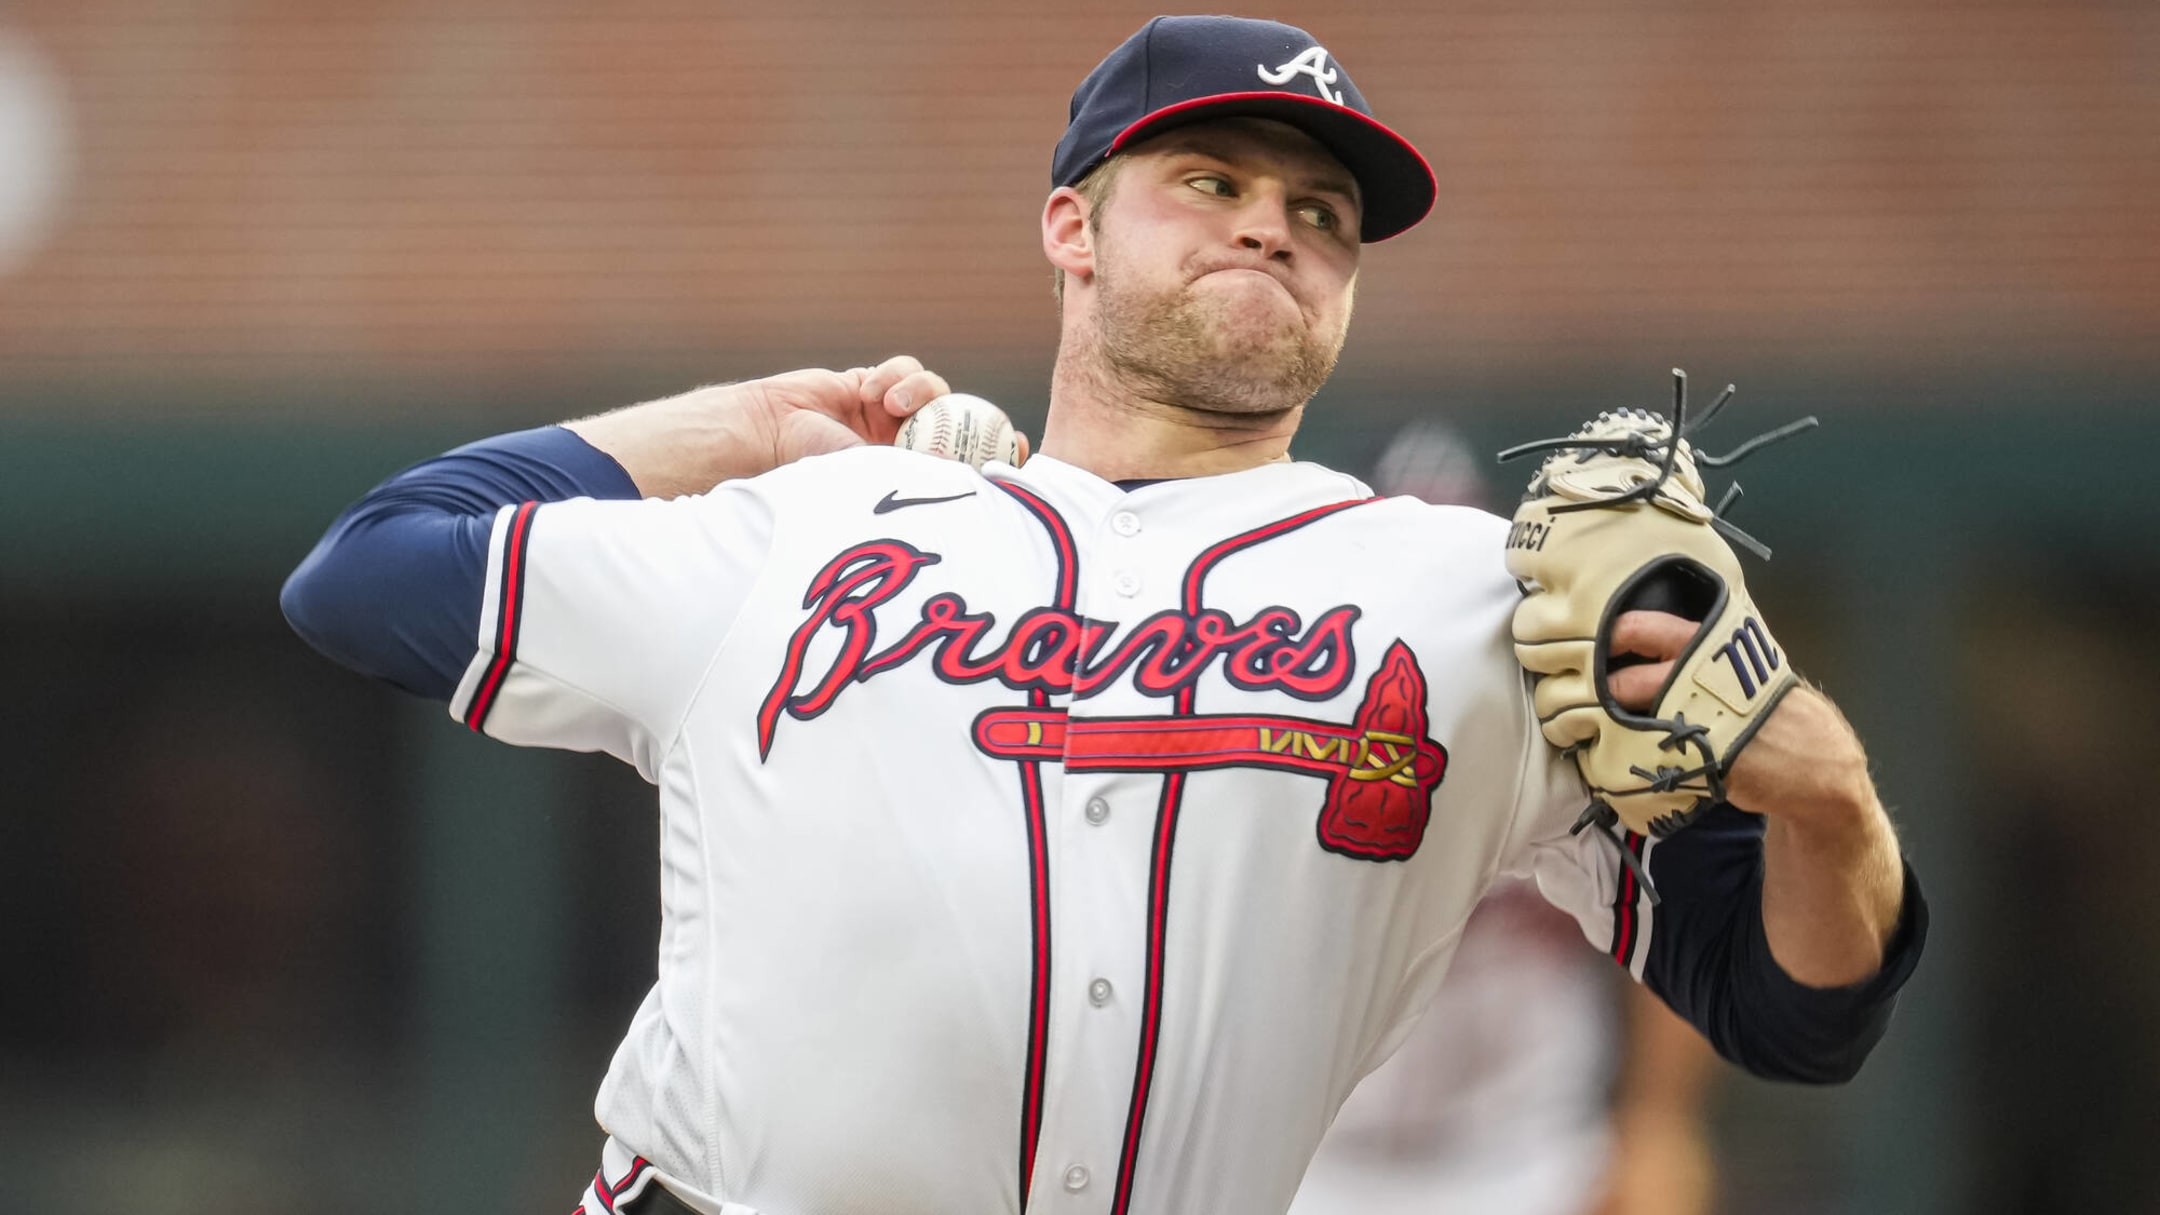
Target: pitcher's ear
(1068, 239)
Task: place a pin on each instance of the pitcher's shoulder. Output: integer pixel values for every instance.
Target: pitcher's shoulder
(1467, 525)
(868, 473)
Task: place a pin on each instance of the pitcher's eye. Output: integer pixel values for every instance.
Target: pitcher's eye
(1320, 216)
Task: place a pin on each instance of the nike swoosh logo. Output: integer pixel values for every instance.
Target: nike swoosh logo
(893, 501)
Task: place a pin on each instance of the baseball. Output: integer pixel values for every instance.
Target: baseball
(958, 426)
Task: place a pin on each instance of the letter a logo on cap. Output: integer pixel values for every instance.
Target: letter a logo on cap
(1312, 63)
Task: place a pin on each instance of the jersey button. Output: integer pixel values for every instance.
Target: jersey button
(1125, 523)
(1126, 583)
(1076, 1178)
(1099, 992)
(1098, 812)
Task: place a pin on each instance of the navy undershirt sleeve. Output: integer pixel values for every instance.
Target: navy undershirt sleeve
(394, 589)
(1710, 960)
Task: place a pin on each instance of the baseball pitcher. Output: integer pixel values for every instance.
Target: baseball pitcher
(1071, 835)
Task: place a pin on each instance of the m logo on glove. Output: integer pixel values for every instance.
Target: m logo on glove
(1750, 659)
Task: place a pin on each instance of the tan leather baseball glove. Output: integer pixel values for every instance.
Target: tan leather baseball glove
(1616, 519)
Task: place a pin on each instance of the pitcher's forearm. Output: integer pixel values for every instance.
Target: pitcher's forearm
(683, 444)
(1832, 894)
(690, 443)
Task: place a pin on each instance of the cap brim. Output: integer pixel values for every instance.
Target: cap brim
(1397, 184)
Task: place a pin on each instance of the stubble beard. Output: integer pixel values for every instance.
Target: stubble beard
(1195, 352)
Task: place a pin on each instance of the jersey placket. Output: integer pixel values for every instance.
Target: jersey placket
(1103, 842)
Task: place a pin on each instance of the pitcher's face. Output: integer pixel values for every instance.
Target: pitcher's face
(1225, 266)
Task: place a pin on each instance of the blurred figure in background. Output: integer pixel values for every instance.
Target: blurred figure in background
(1540, 1081)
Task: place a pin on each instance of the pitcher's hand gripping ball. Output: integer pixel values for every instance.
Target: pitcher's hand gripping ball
(958, 426)
(1615, 520)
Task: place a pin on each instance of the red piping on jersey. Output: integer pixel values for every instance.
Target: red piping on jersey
(1031, 791)
(605, 1192)
(1031, 1091)
(1166, 816)
(1068, 556)
(1626, 916)
(509, 612)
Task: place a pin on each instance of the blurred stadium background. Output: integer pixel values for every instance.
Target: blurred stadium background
(276, 940)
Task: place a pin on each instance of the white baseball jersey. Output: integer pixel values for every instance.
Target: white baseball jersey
(1028, 842)
(1498, 1101)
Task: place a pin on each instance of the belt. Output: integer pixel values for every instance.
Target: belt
(656, 1201)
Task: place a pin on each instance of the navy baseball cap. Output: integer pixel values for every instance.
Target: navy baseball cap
(1183, 69)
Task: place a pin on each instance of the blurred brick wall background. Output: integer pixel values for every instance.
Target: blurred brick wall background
(268, 190)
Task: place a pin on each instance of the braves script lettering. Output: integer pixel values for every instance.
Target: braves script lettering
(1047, 649)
